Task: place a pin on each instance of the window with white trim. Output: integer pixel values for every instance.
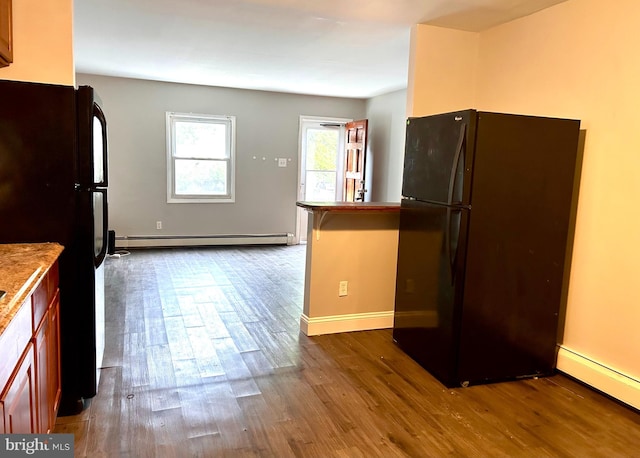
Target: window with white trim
(200, 158)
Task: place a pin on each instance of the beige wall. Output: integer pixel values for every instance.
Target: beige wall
(579, 59)
(42, 42)
(360, 248)
(442, 70)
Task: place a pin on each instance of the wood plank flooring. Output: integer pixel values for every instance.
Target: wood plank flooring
(204, 358)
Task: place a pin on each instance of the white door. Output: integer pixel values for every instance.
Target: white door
(321, 159)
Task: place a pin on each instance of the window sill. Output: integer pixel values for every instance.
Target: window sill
(204, 200)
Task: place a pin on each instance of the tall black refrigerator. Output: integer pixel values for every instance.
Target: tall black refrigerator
(485, 224)
(53, 188)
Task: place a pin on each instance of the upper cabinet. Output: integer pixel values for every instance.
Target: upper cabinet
(6, 47)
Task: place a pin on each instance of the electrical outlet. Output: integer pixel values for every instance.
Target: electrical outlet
(342, 289)
(158, 225)
(282, 162)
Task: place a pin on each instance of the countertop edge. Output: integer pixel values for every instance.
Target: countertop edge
(350, 206)
(45, 255)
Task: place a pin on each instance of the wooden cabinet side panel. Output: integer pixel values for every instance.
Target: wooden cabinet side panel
(39, 303)
(47, 344)
(42, 375)
(3, 426)
(6, 33)
(54, 385)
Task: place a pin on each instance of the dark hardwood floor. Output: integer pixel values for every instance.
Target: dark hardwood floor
(205, 358)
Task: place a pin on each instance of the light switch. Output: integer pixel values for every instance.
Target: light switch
(282, 162)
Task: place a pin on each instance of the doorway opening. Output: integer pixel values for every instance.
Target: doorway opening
(322, 159)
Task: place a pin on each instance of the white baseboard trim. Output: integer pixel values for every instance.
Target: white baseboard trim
(345, 323)
(160, 241)
(600, 376)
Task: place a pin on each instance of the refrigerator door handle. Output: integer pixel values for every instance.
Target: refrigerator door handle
(101, 255)
(456, 161)
(99, 115)
(450, 258)
(448, 242)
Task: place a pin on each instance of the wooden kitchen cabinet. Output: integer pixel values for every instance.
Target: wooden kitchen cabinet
(30, 385)
(19, 397)
(42, 363)
(46, 343)
(17, 384)
(6, 33)
(45, 303)
(54, 381)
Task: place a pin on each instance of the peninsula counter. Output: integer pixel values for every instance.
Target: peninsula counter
(356, 243)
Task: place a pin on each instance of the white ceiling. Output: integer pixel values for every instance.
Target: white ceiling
(345, 48)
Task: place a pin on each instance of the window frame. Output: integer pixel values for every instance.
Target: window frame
(230, 123)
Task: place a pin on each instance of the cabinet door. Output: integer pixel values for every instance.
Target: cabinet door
(48, 368)
(6, 47)
(19, 397)
(53, 372)
(42, 371)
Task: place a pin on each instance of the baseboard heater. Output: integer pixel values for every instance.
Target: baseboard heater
(164, 241)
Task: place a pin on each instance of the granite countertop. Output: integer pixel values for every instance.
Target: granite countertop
(22, 266)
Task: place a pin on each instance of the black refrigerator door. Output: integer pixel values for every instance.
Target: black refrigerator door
(37, 142)
(517, 243)
(438, 158)
(431, 252)
(100, 224)
(92, 140)
(82, 335)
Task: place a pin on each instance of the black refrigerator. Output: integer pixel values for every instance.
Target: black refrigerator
(485, 231)
(53, 188)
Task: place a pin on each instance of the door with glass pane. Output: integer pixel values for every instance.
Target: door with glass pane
(321, 163)
(321, 150)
